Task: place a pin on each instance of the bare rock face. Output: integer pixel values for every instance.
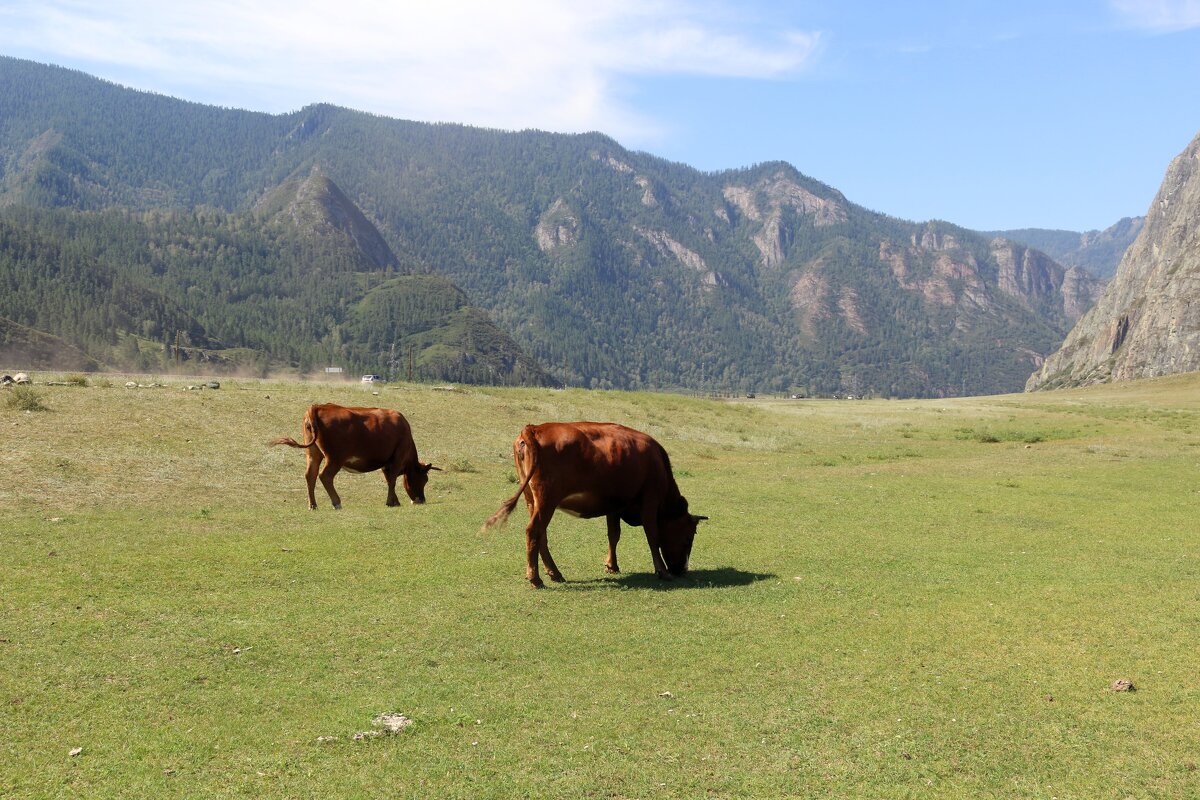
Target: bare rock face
(938, 266)
(558, 226)
(649, 199)
(780, 191)
(1037, 279)
(1079, 290)
(1097, 251)
(1147, 322)
(808, 297)
(689, 258)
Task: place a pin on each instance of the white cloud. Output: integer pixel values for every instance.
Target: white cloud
(1159, 15)
(553, 64)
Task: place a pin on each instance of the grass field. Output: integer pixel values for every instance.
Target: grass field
(892, 599)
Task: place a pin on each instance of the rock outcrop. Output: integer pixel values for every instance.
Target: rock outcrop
(1039, 280)
(1147, 322)
(1096, 251)
(668, 247)
(765, 203)
(938, 266)
(558, 226)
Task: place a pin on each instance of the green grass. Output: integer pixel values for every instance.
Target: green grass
(23, 398)
(892, 599)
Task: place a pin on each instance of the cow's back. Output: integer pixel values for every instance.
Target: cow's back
(605, 458)
(369, 436)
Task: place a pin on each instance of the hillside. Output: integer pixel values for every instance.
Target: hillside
(1098, 252)
(23, 347)
(1147, 323)
(609, 268)
(225, 291)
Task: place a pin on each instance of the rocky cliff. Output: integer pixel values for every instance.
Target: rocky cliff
(1147, 322)
(1098, 252)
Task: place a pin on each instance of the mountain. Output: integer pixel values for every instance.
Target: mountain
(21, 346)
(316, 206)
(609, 268)
(1147, 322)
(1098, 252)
(301, 281)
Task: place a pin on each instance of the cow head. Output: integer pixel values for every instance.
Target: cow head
(415, 479)
(675, 541)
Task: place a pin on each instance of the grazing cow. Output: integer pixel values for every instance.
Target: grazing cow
(360, 440)
(599, 469)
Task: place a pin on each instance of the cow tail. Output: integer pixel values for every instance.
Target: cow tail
(310, 432)
(527, 442)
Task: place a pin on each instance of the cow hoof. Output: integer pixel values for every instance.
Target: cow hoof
(312, 507)
(337, 507)
(611, 570)
(664, 576)
(537, 584)
(557, 577)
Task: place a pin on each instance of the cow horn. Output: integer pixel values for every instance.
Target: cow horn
(698, 518)
(428, 467)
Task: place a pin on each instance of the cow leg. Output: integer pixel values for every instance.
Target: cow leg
(532, 537)
(310, 475)
(390, 475)
(551, 568)
(614, 536)
(535, 544)
(327, 474)
(650, 523)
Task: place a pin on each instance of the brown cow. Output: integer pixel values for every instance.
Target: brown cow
(360, 440)
(599, 469)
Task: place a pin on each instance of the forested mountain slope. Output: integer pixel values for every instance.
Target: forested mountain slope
(234, 291)
(611, 268)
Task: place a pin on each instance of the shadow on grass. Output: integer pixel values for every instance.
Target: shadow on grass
(695, 579)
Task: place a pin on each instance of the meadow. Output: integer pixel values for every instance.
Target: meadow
(891, 599)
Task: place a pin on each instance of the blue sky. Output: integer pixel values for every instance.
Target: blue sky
(987, 114)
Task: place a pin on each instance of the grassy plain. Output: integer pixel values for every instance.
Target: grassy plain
(892, 599)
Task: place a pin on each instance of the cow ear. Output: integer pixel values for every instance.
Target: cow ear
(698, 518)
(428, 467)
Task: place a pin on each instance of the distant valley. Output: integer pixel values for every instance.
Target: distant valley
(1098, 252)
